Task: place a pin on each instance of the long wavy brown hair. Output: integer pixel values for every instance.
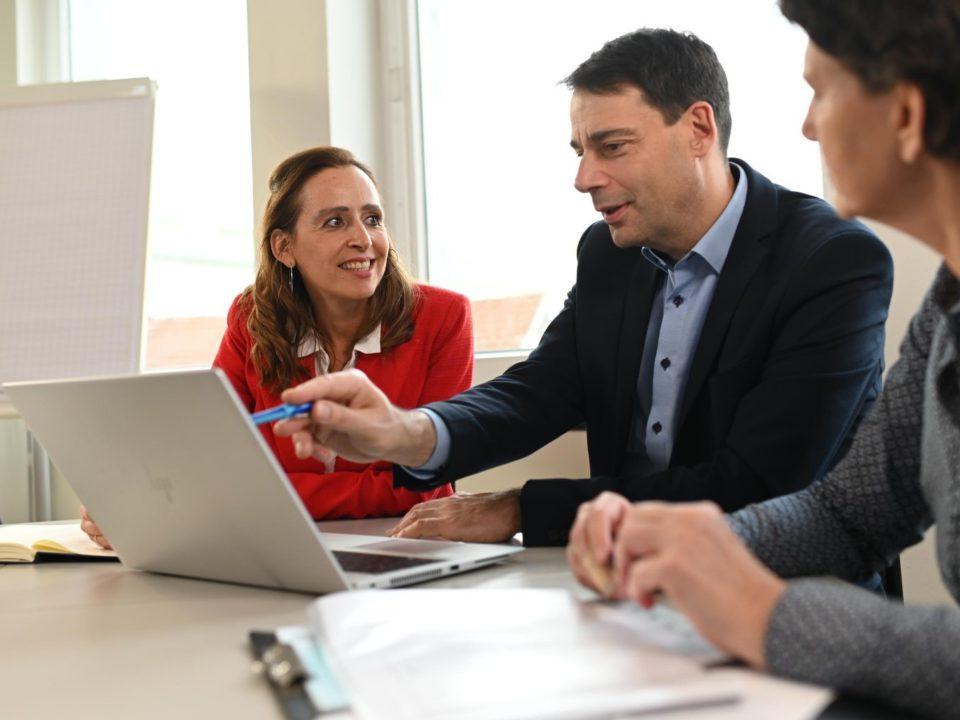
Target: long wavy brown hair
(280, 318)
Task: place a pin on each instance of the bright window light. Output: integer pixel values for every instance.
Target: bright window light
(200, 232)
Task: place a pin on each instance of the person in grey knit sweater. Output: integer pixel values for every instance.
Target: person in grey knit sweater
(886, 111)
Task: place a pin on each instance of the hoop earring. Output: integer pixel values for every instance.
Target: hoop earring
(291, 279)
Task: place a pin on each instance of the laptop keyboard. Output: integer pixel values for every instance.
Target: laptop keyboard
(376, 564)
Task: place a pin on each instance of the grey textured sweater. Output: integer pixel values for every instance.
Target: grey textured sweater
(902, 474)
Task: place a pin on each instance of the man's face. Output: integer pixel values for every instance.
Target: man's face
(857, 133)
(638, 170)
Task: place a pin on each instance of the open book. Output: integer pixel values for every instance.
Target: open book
(22, 543)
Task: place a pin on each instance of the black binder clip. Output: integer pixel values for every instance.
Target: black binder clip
(280, 664)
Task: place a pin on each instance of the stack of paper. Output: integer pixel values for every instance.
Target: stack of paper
(510, 654)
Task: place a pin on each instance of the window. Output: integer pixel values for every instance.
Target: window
(201, 217)
(502, 216)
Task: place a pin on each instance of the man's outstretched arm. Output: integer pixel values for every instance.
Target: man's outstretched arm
(353, 418)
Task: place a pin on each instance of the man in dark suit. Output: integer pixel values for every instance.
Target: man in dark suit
(723, 339)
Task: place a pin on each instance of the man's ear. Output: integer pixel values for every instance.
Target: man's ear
(280, 246)
(703, 126)
(911, 117)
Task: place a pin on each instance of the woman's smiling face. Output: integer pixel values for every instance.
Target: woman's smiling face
(339, 244)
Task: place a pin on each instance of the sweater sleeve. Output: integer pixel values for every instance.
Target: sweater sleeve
(832, 633)
(856, 519)
(357, 493)
(234, 350)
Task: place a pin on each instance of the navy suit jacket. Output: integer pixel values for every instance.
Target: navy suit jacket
(789, 360)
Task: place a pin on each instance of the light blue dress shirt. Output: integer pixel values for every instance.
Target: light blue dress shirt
(673, 333)
(677, 315)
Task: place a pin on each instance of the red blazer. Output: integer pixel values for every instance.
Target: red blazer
(434, 364)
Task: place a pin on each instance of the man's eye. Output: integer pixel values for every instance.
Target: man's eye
(612, 147)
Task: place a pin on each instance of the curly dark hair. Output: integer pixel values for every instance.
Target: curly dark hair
(886, 41)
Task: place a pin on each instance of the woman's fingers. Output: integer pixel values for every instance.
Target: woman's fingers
(93, 530)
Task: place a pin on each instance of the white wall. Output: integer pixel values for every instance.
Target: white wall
(289, 92)
(8, 43)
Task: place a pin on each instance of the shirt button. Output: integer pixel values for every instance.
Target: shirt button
(677, 300)
(656, 427)
(665, 363)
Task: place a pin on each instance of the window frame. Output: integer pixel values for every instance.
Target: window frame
(405, 168)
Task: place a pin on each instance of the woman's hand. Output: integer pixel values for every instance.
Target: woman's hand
(93, 530)
(689, 554)
(590, 549)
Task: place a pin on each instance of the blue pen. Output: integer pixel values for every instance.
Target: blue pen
(280, 412)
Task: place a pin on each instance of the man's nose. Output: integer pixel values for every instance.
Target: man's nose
(588, 175)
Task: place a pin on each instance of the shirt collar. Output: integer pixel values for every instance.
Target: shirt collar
(368, 345)
(715, 244)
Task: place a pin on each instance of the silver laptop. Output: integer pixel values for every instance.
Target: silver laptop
(183, 483)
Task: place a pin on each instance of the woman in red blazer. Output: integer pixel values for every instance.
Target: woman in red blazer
(330, 294)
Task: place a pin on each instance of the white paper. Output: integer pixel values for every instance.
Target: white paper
(501, 654)
(762, 697)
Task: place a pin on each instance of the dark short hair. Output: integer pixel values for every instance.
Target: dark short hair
(672, 69)
(885, 41)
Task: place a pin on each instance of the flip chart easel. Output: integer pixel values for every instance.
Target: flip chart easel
(74, 196)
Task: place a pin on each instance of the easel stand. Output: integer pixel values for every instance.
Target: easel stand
(41, 508)
(79, 151)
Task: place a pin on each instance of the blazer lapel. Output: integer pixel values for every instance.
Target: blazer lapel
(746, 253)
(637, 303)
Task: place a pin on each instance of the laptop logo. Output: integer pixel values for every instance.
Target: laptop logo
(162, 483)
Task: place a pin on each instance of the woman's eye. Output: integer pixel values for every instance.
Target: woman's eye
(374, 220)
(333, 222)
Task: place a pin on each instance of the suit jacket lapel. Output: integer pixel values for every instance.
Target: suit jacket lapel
(746, 252)
(637, 303)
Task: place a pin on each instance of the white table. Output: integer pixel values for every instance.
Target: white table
(96, 640)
